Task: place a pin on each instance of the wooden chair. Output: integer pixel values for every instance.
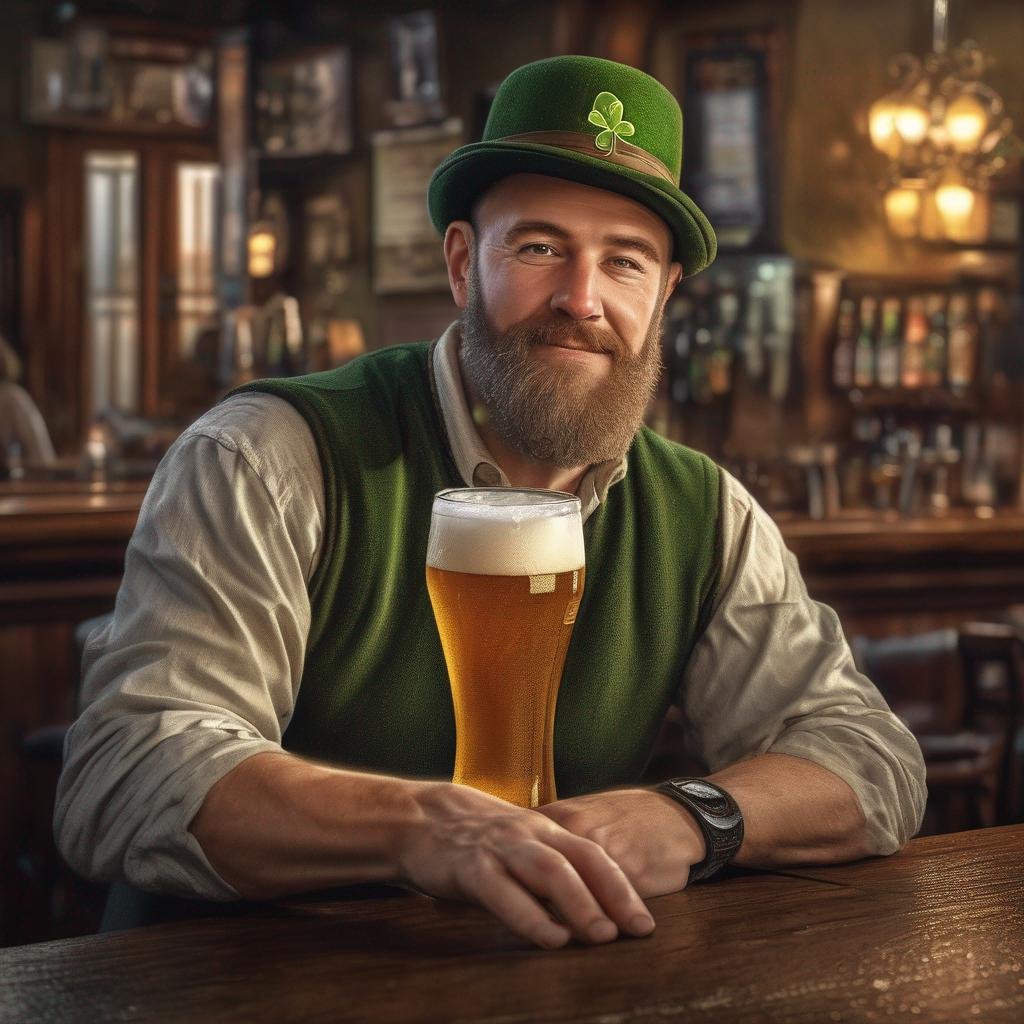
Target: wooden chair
(993, 662)
(50, 900)
(923, 679)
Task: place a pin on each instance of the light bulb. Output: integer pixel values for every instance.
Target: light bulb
(882, 126)
(966, 121)
(262, 245)
(902, 209)
(954, 201)
(911, 122)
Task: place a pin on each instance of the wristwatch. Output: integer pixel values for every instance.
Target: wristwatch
(717, 815)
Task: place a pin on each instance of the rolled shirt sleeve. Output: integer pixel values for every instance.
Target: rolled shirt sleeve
(200, 666)
(773, 673)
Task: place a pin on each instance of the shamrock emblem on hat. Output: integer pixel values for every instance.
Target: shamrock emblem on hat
(607, 114)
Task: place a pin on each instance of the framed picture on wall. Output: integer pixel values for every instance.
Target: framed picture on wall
(415, 69)
(407, 252)
(97, 80)
(304, 104)
(730, 90)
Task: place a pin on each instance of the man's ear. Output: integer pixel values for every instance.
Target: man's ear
(675, 275)
(458, 251)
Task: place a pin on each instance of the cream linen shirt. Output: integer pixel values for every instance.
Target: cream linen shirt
(200, 666)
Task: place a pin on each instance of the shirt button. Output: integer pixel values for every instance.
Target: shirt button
(486, 475)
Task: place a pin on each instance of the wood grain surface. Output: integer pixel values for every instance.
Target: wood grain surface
(934, 933)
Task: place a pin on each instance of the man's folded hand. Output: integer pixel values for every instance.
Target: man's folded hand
(652, 838)
(517, 864)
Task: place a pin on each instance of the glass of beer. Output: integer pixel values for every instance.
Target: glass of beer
(505, 572)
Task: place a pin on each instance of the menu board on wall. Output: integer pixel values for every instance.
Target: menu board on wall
(407, 253)
(729, 92)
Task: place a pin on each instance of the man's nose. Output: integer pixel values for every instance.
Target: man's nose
(577, 292)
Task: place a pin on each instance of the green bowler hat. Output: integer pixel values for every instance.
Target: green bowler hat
(588, 120)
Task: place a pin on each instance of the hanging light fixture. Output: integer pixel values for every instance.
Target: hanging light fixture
(946, 136)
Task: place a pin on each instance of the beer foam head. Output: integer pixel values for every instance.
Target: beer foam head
(505, 531)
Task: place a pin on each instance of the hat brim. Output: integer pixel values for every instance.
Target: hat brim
(465, 174)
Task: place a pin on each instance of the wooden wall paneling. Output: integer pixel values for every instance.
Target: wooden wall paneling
(61, 365)
(156, 191)
(36, 687)
(33, 322)
(161, 225)
(77, 380)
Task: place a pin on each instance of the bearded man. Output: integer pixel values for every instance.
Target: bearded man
(268, 711)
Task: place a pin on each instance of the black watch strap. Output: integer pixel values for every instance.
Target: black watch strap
(717, 815)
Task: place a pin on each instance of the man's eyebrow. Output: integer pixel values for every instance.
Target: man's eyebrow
(630, 242)
(534, 227)
(544, 227)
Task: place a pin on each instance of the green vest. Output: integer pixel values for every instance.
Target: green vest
(374, 691)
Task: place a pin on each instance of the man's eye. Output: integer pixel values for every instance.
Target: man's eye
(538, 249)
(625, 263)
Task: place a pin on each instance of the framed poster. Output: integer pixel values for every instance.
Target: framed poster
(407, 253)
(96, 80)
(415, 74)
(232, 95)
(730, 89)
(304, 104)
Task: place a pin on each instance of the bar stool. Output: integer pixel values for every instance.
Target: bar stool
(993, 661)
(50, 900)
(923, 680)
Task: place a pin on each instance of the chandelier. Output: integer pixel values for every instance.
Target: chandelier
(946, 136)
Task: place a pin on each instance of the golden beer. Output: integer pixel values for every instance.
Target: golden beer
(505, 573)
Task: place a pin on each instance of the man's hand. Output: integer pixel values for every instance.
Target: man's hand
(651, 837)
(471, 846)
(276, 825)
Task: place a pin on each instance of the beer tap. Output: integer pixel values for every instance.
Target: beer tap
(945, 456)
(886, 470)
(910, 463)
(819, 465)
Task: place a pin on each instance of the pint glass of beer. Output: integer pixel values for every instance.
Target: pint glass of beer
(505, 572)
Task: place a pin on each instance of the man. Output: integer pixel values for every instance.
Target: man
(269, 711)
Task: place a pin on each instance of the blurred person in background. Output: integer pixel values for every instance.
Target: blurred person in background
(23, 434)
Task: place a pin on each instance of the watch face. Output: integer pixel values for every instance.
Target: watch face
(717, 815)
(710, 799)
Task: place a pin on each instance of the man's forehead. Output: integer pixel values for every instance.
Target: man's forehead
(569, 205)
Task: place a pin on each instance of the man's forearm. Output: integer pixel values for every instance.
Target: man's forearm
(277, 824)
(794, 812)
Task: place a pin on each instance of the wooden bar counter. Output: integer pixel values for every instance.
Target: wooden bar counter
(62, 544)
(934, 933)
(887, 576)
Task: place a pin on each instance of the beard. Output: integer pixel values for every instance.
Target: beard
(551, 412)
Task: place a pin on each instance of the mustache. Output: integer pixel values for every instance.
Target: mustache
(575, 334)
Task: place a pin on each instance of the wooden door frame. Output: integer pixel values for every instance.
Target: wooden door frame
(68, 370)
(168, 341)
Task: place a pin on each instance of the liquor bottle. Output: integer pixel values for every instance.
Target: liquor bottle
(887, 351)
(700, 355)
(915, 333)
(752, 341)
(935, 346)
(778, 337)
(727, 308)
(681, 335)
(864, 356)
(963, 342)
(991, 357)
(846, 343)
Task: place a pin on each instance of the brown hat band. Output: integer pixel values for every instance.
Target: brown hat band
(625, 155)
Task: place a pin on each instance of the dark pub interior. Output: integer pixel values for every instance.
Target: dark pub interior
(288, 285)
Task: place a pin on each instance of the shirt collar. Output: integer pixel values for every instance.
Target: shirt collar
(476, 465)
